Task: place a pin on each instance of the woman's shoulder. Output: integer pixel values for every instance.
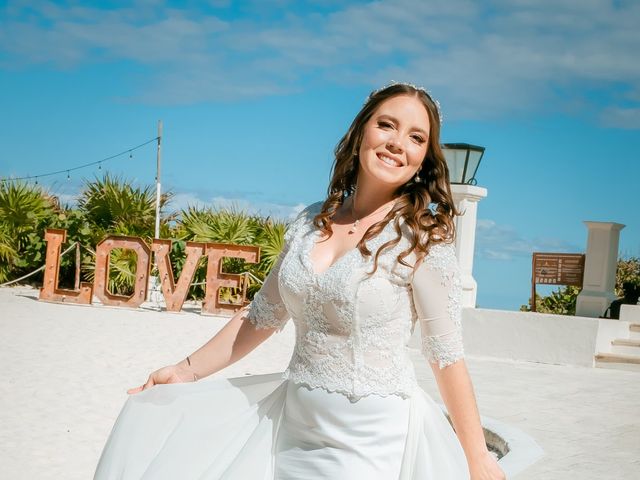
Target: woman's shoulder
(308, 212)
(313, 208)
(441, 252)
(304, 217)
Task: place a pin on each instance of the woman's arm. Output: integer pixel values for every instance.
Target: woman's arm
(243, 333)
(236, 339)
(457, 394)
(437, 292)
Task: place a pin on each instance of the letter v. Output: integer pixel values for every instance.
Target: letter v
(175, 295)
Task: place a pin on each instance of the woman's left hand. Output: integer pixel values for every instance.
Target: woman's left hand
(486, 467)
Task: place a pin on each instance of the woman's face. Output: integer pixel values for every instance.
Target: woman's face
(394, 142)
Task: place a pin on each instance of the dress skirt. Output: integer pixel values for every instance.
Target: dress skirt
(265, 428)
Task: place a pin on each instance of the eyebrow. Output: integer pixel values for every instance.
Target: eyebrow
(395, 120)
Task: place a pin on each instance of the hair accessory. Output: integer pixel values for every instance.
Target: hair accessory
(415, 87)
(433, 208)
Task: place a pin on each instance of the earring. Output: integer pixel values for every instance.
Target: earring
(417, 178)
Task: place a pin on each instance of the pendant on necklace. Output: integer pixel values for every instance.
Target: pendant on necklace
(354, 227)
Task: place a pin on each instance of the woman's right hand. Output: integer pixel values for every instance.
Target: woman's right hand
(170, 374)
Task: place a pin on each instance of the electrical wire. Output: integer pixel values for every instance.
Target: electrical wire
(67, 170)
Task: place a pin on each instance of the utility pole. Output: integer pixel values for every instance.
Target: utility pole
(154, 282)
(158, 190)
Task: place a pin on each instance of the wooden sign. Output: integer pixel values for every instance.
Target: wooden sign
(174, 291)
(556, 269)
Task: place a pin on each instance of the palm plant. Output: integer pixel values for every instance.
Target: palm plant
(233, 226)
(112, 205)
(221, 226)
(22, 208)
(25, 211)
(270, 238)
(8, 252)
(122, 264)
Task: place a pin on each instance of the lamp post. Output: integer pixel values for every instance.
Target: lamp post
(463, 161)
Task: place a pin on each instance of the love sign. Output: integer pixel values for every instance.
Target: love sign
(174, 292)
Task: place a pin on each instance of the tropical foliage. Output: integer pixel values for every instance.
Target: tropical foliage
(628, 271)
(234, 227)
(561, 301)
(114, 206)
(25, 211)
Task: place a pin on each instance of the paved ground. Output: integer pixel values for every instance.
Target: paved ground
(587, 420)
(66, 368)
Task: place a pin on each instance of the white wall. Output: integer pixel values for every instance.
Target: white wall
(536, 337)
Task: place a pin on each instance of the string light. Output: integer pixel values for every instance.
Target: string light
(68, 170)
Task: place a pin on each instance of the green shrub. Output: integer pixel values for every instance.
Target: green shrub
(113, 206)
(25, 211)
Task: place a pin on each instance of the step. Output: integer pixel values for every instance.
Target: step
(634, 330)
(633, 367)
(617, 361)
(629, 346)
(628, 342)
(617, 358)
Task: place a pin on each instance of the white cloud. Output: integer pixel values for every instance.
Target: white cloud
(184, 200)
(265, 209)
(503, 242)
(482, 59)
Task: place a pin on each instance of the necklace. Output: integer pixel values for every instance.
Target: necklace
(357, 221)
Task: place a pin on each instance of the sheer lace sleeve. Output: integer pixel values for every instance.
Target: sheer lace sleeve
(267, 310)
(437, 291)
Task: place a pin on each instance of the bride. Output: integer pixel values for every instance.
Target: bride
(358, 272)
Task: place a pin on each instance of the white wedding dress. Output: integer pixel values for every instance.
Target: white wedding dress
(348, 405)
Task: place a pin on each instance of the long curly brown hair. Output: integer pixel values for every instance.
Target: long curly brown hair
(412, 198)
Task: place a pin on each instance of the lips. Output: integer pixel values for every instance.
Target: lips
(389, 160)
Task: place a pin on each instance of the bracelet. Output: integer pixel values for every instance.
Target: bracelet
(195, 377)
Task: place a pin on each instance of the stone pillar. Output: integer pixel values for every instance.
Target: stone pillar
(466, 198)
(600, 266)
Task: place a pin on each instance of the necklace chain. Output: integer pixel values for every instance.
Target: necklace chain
(357, 221)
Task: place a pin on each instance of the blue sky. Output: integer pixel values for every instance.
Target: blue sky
(254, 96)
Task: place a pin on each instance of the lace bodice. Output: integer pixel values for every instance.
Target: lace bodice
(352, 328)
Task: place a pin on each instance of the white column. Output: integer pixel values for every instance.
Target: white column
(600, 266)
(466, 198)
